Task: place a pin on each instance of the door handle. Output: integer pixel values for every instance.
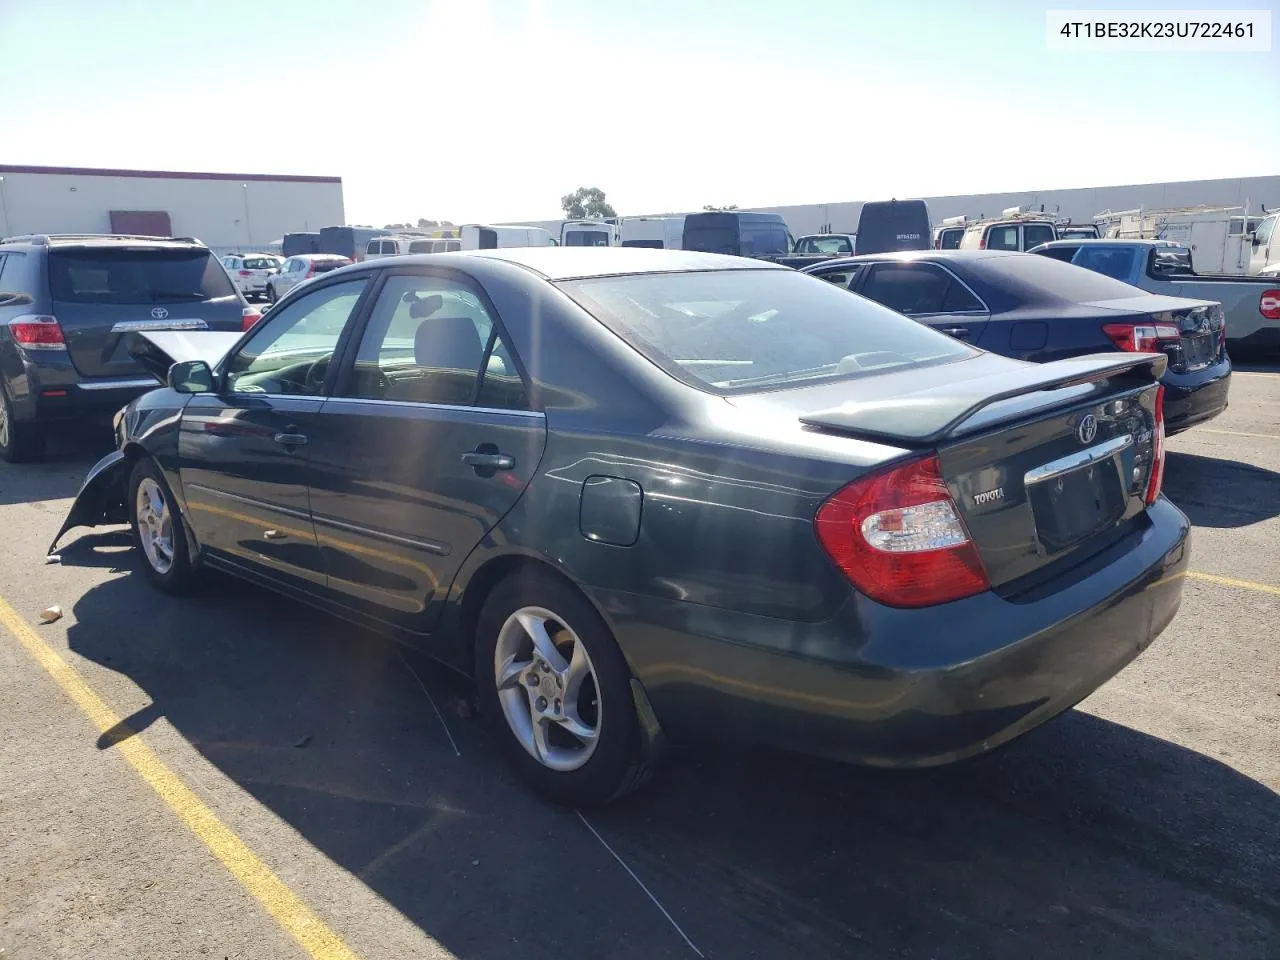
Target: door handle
(954, 331)
(290, 437)
(484, 460)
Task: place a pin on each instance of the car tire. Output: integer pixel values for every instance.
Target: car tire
(271, 293)
(19, 442)
(159, 535)
(557, 763)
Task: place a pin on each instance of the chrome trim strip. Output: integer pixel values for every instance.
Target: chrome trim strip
(1055, 468)
(129, 384)
(133, 326)
(437, 406)
(431, 546)
(249, 501)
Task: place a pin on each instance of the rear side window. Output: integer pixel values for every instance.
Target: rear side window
(729, 331)
(1034, 234)
(950, 238)
(1035, 279)
(371, 247)
(388, 246)
(1264, 231)
(421, 246)
(1003, 237)
(136, 275)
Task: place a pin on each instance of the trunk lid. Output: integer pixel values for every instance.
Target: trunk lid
(104, 296)
(1047, 464)
(1201, 326)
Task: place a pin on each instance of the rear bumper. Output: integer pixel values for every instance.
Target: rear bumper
(1191, 398)
(50, 389)
(905, 688)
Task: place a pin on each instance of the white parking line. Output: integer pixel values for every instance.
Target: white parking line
(1238, 433)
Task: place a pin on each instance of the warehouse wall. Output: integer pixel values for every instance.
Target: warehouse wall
(225, 211)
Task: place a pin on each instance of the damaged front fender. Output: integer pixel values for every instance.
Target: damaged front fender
(101, 499)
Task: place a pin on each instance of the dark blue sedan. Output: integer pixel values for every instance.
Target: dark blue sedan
(1038, 309)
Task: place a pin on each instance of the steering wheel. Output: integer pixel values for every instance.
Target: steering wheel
(313, 379)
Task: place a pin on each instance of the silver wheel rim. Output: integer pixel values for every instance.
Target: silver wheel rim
(155, 526)
(548, 689)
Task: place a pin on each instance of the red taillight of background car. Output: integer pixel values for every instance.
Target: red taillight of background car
(246, 273)
(1141, 337)
(32, 332)
(248, 317)
(1269, 304)
(1155, 480)
(898, 536)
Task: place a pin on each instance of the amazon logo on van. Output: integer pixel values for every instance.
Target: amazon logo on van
(908, 236)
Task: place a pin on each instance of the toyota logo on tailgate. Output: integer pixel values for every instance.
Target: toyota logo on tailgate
(1087, 428)
(159, 313)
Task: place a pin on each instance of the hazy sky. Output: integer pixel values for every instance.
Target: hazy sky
(480, 110)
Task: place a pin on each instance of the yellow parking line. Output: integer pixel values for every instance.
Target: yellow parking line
(1237, 433)
(1233, 582)
(315, 937)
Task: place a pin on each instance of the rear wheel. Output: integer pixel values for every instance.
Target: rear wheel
(19, 441)
(270, 293)
(158, 533)
(556, 690)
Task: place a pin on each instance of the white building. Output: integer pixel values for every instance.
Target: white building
(1079, 204)
(228, 211)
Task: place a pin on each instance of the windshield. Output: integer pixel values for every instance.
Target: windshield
(828, 245)
(735, 330)
(136, 275)
(1116, 262)
(711, 239)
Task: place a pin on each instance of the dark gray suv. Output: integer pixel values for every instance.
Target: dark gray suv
(70, 306)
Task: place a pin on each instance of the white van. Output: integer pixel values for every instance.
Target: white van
(588, 233)
(479, 236)
(397, 246)
(1264, 241)
(660, 233)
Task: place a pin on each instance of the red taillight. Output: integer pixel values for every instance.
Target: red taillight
(1141, 337)
(1156, 478)
(33, 332)
(311, 272)
(1269, 304)
(248, 317)
(982, 242)
(246, 273)
(898, 536)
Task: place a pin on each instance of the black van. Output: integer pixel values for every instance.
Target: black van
(885, 226)
(738, 234)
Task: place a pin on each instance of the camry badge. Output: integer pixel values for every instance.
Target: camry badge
(1087, 428)
(987, 496)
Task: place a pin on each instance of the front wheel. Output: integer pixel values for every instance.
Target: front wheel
(270, 294)
(556, 691)
(157, 529)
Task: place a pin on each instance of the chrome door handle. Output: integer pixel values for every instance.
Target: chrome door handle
(291, 439)
(954, 331)
(488, 461)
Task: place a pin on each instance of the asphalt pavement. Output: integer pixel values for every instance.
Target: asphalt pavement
(234, 775)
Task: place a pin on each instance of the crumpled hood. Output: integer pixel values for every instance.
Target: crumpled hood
(158, 350)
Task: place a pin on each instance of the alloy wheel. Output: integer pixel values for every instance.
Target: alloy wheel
(155, 525)
(548, 689)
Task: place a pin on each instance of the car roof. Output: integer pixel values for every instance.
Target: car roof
(1114, 241)
(943, 255)
(574, 263)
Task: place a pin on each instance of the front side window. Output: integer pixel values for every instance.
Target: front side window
(388, 246)
(431, 340)
(290, 352)
(949, 239)
(909, 288)
(843, 277)
(1264, 231)
(729, 331)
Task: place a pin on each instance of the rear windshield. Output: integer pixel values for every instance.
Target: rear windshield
(586, 238)
(137, 275)
(1034, 279)
(259, 263)
(1114, 262)
(711, 239)
(824, 245)
(324, 266)
(742, 330)
(422, 246)
(949, 239)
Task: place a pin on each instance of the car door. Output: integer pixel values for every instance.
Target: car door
(926, 292)
(427, 441)
(244, 449)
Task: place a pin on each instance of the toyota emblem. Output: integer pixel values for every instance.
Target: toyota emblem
(159, 313)
(1087, 428)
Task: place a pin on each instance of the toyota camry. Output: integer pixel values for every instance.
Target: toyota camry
(647, 496)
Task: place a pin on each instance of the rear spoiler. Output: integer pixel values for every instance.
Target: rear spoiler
(930, 416)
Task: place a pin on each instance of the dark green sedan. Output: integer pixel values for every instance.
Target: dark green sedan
(646, 496)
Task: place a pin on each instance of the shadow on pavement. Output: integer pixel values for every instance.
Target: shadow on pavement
(1221, 493)
(1085, 839)
(72, 449)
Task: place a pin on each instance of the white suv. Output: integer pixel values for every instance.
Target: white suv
(250, 271)
(395, 246)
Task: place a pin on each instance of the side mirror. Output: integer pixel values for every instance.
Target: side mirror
(15, 299)
(191, 376)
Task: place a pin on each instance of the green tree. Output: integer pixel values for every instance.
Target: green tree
(586, 203)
